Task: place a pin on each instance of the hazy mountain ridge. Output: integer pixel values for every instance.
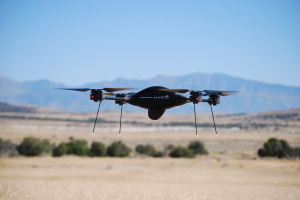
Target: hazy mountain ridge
(255, 96)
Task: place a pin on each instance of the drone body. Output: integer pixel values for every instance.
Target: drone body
(155, 99)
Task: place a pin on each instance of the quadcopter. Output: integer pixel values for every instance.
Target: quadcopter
(155, 99)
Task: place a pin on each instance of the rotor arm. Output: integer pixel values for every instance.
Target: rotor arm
(114, 98)
(209, 101)
(206, 100)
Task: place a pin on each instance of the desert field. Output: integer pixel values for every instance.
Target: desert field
(232, 170)
(148, 178)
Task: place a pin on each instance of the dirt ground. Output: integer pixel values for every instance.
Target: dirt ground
(232, 169)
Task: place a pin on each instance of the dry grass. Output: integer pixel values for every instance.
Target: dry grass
(138, 178)
(231, 171)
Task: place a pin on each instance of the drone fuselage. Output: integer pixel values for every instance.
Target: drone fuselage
(152, 98)
(156, 101)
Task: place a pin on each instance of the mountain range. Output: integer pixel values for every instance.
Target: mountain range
(254, 96)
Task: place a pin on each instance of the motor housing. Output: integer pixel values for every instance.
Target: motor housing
(214, 99)
(96, 95)
(195, 96)
(118, 101)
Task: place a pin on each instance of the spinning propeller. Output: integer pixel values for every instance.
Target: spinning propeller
(196, 96)
(87, 89)
(206, 92)
(97, 95)
(214, 99)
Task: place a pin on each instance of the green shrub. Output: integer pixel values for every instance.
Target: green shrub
(180, 151)
(7, 148)
(78, 147)
(31, 146)
(148, 150)
(98, 149)
(197, 147)
(60, 150)
(275, 148)
(118, 149)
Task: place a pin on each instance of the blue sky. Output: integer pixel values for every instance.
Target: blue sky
(77, 42)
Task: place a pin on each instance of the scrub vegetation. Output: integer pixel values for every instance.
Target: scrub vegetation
(31, 146)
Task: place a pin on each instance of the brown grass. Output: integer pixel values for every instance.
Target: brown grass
(148, 178)
(231, 170)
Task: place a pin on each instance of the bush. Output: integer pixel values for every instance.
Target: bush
(77, 147)
(60, 150)
(148, 150)
(180, 151)
(197, 147)
(7, 148)
(98, 149)
(118, 149)
(275, 148)
(31, 146)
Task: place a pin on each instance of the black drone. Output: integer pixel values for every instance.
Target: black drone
(155, 99)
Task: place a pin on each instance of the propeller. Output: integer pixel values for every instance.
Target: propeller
(97, 95)
(196, 96)
(218, 92)
(87, 89)
(109, 94)
(208, 92)
(175, 90)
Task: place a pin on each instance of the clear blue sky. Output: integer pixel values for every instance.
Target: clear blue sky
(77, 42)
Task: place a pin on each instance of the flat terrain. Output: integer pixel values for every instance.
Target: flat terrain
(232, 169)
(148, 178)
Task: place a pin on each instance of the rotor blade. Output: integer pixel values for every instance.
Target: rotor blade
(109, 94)
(75, 89)
(87, 89)
(175, 90)
(116, 89)
(223, 93)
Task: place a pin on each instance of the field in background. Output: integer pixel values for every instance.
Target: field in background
(232, 169)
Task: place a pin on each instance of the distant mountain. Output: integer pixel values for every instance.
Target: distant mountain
(19, 109)
(255, 96)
